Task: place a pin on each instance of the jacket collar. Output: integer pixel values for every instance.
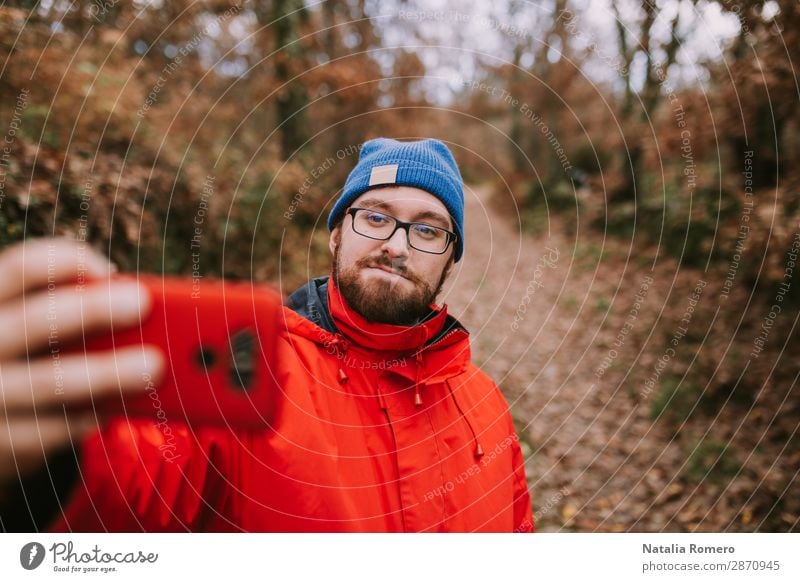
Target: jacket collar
(383, 336)
(438, 346)
(312, 303)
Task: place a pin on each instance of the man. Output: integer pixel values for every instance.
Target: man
(382, 423)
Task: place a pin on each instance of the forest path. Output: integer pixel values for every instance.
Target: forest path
(538, 310)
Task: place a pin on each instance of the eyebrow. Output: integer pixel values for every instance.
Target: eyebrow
(422, 215)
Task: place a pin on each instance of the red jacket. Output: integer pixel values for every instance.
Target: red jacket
(379, 428)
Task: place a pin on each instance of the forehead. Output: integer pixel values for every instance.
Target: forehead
(405, 201)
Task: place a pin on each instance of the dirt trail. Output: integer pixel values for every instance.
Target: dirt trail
(535, 308)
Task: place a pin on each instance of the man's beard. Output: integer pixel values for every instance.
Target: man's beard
(384, 301)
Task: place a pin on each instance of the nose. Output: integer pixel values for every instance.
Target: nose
(397, 244)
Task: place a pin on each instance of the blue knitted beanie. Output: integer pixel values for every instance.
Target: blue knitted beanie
(425, 164)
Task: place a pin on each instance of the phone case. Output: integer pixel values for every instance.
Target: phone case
(218, 339)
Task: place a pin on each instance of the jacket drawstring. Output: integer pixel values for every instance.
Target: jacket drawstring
(417, 396)
(340, 345)
(478, 448)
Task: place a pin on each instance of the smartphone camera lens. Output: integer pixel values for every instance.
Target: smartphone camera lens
(242, 370)
(205, 357)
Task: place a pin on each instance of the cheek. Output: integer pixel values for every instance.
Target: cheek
(351, 250)
(432, 270)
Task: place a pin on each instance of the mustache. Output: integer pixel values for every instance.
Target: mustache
(384, 261)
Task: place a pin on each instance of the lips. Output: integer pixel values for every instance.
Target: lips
(386, 266)
(388, 270)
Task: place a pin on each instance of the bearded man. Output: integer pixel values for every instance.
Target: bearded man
(382, 423)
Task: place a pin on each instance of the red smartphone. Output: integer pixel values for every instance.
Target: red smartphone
(218, 339)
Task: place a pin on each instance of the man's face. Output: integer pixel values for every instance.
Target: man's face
(388, 281)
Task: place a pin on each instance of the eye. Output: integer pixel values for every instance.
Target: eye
(427, 232)
(377, 219)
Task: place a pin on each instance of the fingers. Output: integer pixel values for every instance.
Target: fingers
(56, 316)
(43, 262)
(24, 442)
(78, 378)
(38, 308)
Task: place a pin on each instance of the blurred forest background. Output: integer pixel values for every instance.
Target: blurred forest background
(647, 138)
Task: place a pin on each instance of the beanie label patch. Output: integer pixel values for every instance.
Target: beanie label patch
(383, 175)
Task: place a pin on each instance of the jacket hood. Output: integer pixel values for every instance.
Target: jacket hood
(311, 302)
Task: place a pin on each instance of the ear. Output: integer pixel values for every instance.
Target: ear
(334, 239)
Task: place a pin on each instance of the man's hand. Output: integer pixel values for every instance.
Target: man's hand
(47, 300)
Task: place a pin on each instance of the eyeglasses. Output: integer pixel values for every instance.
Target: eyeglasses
(380, 226)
